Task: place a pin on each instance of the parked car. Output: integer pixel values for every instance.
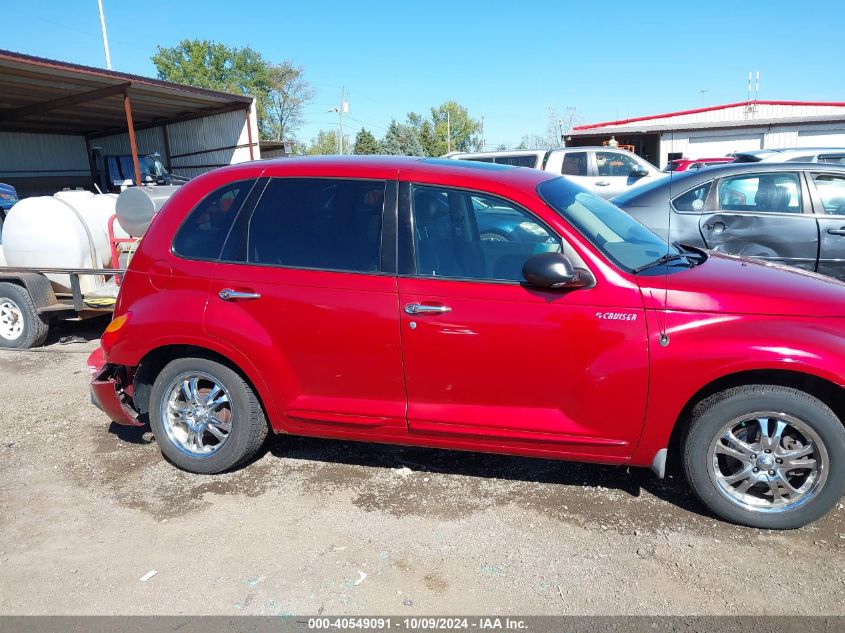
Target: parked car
(605, 171)
(355, 298)
(786, 213)
(683, 164)
(834, 155)
(8, 197)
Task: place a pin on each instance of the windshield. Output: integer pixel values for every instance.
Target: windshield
(624, 241)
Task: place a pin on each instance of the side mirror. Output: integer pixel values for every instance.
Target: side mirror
(639, 172)
(554, 271)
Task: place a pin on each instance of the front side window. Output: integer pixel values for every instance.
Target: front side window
(318, 223)
(614, 164)
(831, 191)
(574, 164)
(778, 192)
(466, 235)
(624, 241)
(204, 231)
(694, 199)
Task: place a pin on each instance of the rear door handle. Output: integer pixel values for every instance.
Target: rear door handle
(602, 183)
(227, 294)
(418, 308)
(837, 231)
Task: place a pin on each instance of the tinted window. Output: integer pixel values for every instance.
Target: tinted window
(574, 164)
(835, 159)
(693, 200)
(466, 235)
(318, 223)
(479, 159)
(517, 161)
(614, 164)
(831, 192)
(202, 234)
(620, 237)
(771, 193)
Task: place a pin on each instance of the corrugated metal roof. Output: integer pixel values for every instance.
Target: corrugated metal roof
(49, 96)
(728, 115)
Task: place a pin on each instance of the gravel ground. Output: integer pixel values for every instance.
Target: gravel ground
(314, 526)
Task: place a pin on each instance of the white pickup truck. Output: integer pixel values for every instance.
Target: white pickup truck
(605, 171)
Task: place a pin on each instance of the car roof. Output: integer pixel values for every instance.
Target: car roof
(470, 172)
(686, 180)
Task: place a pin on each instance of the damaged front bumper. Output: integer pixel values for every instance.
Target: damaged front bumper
(110, 390)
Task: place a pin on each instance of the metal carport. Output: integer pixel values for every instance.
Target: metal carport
(52, 113)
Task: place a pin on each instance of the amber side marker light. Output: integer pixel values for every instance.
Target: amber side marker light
(117, 323)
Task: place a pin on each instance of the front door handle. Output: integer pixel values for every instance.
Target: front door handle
(227, 294)
(602, 183)
(419, 308)
(840, 231)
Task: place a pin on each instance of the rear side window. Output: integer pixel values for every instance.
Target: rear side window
(204, 231)
(694, 199)
(517, 161)
(574, 164)
(318, 223)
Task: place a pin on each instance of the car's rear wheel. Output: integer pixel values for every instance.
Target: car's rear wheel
(21, 327)
(205, 416)
(766, 456)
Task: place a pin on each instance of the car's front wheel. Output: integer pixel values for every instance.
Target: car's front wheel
(205, 416)
(766, 456)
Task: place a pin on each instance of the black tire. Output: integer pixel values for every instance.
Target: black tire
(248, 424)
(35, 328)
(711, 415)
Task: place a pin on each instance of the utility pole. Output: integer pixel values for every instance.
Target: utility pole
(342, 109)
(482, 133)
(449, 130)
(105, 36)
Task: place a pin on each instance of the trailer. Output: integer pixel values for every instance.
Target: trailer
(29, 304)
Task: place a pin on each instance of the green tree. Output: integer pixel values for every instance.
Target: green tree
(451, 119)
(279, 89)
(365, 143)
(401, 140)
(425, 132)
(323, 144)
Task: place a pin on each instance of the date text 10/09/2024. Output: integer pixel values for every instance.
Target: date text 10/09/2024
(418, 623)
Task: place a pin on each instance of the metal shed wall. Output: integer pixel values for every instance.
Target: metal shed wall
(33, 161)
(196, 146)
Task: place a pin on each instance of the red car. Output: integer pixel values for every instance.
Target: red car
(683, 164)
(355, 298)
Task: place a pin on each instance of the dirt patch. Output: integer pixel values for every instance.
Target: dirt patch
(320, 526)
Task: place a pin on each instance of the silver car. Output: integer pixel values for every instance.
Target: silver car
(786, 213)
(604, 171)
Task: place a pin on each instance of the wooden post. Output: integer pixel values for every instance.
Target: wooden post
(249, 132)
(132, 145)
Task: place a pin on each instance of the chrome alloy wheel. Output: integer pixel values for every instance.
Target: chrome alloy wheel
(11, 320)
(768, 462)
(197, 414)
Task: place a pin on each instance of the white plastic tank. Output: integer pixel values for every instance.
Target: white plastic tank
(137, 206)
(66, 230)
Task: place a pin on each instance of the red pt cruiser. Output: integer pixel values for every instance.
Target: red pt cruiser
(478, 307)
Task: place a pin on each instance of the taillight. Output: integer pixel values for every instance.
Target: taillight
(110, 334)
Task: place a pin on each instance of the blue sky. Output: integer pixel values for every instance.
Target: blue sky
(507, 61)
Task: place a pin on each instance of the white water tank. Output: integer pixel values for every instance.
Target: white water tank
(66, 230)
(137, 206)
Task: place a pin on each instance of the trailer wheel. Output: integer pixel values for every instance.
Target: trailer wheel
(21, 327)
